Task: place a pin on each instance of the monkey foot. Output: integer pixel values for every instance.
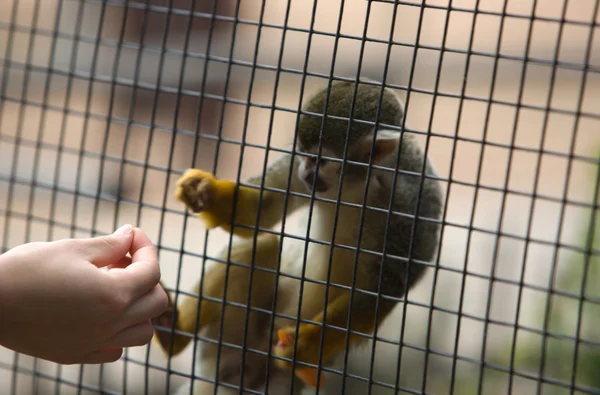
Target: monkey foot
(307, 351)
(163, 335)
(196, 189)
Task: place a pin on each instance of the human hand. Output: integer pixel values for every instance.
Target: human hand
(56, 304)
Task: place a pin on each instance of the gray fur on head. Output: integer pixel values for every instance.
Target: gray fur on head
(340, 103)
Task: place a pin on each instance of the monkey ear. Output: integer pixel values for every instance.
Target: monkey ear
(386, 144)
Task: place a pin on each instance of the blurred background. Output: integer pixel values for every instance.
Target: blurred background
(104, 103)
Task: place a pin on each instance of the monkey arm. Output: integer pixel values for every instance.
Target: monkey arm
(273, 202)
(309, 335)
(186, 315)
(362, 308)
(334, 342)
(186, 319)
(215, 200)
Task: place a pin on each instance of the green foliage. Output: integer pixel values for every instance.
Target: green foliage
(564, 318)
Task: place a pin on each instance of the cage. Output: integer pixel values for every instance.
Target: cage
(105, 103)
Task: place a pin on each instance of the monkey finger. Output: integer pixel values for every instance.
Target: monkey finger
(134, 336)
(310, 376)
(105, 355)
(206, 193)
(189, 195)
(286, 338)
(151, 305)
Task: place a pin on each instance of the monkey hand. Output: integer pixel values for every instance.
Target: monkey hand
(308, 339)
(206, 196)
(163, 336)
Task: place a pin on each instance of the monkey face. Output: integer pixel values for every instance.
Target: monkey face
(327, 179)
(327, 174)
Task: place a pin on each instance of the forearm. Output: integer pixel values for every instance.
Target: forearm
(251, 203)
(363, 316)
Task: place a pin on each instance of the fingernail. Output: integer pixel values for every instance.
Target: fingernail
(124, 230)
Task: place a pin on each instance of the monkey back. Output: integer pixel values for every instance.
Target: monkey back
(339, 105)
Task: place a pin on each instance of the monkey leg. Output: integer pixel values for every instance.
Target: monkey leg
(308, 337)
(213, 201)
(186, 314)
(162, 335)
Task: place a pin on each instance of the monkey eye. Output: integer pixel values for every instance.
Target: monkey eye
(313, 160)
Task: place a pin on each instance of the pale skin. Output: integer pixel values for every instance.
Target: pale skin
(57, 304)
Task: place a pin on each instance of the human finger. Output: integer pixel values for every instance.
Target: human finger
(142, 248)
(105, 355)
(105, 250)
(121, 263)
(151, 305)
(133, 336)
(144, 272)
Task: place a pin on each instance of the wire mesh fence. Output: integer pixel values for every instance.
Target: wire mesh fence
(105, 104)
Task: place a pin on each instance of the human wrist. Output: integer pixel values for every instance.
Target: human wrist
(3, 296)
(10, 283)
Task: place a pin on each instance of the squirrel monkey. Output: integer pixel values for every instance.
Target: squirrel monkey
(390, 274)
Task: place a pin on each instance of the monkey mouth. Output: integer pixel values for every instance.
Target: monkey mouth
(318, 185)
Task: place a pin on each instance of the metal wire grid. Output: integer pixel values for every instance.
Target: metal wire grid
(197, 135)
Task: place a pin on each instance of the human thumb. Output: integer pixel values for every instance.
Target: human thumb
(105, 250)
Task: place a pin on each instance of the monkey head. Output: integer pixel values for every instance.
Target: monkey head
(336, 131)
